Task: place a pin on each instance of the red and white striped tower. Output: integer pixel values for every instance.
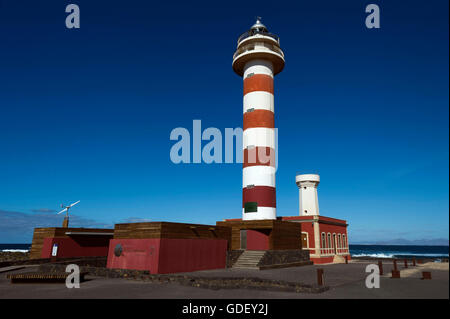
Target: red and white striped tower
(257, 59)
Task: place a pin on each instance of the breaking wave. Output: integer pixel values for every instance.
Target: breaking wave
(382, 255)
(397, 251)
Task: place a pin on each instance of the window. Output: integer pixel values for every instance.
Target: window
(339, 241)
(324, 242)
(329, 240)
(251, 207)
(344, 242)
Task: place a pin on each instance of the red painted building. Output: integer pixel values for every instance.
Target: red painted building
(75, 246)
(162, 247)
(65, 242)
(326, 238)
(165, 255)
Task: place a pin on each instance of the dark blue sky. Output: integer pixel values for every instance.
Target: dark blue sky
(86, 114)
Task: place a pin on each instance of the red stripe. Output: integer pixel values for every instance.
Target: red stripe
(259, 156)
(264, 195)
(258, 82)
(259, 118)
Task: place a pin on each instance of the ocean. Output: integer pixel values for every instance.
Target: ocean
(15, 247)
(398, 251)
(376, 251)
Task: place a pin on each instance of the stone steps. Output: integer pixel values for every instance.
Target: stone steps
(249, 259)
(338, 259)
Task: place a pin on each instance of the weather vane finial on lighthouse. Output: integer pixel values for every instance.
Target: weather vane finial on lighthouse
(258, 25)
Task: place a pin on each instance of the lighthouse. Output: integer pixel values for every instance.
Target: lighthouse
(308, 199)
(258, 58)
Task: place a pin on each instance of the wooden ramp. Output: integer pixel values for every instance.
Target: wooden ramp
(39, 277)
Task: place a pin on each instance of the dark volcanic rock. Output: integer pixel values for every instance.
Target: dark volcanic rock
(201, 282)
(274, 257)
(13, 256)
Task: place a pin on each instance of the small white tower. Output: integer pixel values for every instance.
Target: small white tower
(308, 199)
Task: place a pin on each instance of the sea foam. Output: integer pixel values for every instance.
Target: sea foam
(397, 254)
(379, 255)
(15, 250)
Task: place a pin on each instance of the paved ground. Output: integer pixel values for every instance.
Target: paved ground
(345, 281)
(10, 268)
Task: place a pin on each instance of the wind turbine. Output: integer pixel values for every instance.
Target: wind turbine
(66, 209)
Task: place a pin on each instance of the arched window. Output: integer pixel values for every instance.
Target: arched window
(334, 243)
(339, 241)
(344, 241)
(324, 242)
(329, 241)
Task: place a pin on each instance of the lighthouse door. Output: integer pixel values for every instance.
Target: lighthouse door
(243, 239)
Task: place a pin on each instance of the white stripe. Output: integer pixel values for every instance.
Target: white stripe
(258, 175)
(262, 213)
(259, 100)
(258, 67)
(259, 136)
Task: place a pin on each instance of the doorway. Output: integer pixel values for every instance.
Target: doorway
(243, 238)
(258, 239)
(304, 240)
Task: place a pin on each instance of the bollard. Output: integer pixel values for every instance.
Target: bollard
(380, 266)
(395, 274)
(406, 263)
(426, 275)
(320, 276)
(395, 264)
(414, 261)
(346, 259)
